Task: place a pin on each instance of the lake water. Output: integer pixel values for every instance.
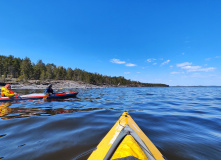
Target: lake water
(183, 122)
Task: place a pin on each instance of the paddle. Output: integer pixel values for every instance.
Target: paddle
(46, 96)
(17, 96)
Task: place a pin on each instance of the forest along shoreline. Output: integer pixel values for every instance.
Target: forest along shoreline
(25, 74)
(65, 84)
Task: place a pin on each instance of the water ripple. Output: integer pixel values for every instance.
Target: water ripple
(183, 122)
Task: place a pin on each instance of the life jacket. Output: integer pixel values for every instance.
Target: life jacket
(6, 92)
(2, 91)
(11, 92)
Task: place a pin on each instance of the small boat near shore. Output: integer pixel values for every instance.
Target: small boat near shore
(39, 96)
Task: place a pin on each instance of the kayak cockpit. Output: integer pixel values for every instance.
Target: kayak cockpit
(128, 144)
(129, 149)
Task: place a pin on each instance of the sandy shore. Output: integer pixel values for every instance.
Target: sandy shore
(56, 85)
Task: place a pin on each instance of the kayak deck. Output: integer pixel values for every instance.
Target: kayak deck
(126, 141)
(129, 148)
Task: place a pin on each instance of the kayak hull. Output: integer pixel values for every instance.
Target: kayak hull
(39, 96)
(124, 141)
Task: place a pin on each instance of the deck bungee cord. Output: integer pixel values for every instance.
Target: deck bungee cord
(84, 153)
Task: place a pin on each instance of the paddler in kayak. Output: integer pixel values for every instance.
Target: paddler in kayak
(49, 90)
(7, 92)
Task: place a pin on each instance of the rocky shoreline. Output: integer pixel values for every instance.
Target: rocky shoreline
(33, 84)
(66, 84)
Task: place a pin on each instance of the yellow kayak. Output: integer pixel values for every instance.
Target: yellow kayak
(126, 141)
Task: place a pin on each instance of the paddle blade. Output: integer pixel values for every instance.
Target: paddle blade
(18, 95)
(46, 96)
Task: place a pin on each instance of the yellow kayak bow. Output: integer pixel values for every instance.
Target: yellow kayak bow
(126, 141)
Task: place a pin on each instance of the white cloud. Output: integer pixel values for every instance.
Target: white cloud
(174, 72)
(154, 63)
(208, 59)
(216, 57)
(207, 69)
(126, 72)
(197, 68)
(189, 68)
(184, 64)
(130, 65)
(117, 61)
(149, 60)
(165, 62)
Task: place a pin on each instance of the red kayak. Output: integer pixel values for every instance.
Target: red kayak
(39, 96)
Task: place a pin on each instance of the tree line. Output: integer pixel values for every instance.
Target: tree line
(24, 70)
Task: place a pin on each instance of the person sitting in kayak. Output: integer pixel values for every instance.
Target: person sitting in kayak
(49, 90)
(7, 92)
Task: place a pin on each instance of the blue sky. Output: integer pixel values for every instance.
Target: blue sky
(176, 42)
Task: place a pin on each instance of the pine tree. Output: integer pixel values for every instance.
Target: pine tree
(26, 70)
